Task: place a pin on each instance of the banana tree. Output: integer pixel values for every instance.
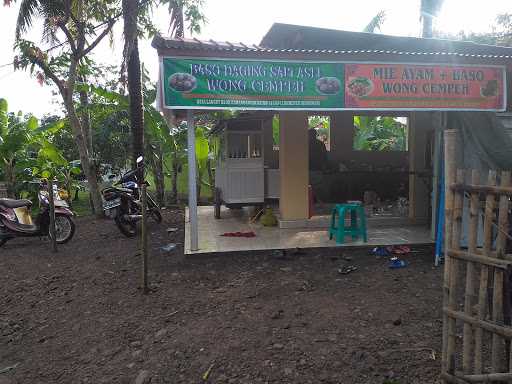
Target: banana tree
(381, 133)
(202, 153)
(51, 164)
(159, 139)
(16, 133)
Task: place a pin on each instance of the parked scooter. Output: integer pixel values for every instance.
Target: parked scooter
(16, 220)
(121, 201)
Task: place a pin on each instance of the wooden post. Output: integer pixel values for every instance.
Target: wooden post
(454, 272)
(484, 272)
(144, 238)
(497, 297)
(51, 203)
(450, 141)
(467, 354)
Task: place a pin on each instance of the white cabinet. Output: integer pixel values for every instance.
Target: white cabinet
(241, 181)
(240, 175)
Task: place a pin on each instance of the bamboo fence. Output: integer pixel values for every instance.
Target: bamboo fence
(477, 329)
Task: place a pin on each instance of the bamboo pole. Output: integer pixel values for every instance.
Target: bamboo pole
(487, 378)
(468, 340)
(454, 271)
(51, 211)
(483, 189)
(484, 272)
(497, 296)
(505, 265)
(450, 141)
(452, 379)
(144, 239)
(501, 330)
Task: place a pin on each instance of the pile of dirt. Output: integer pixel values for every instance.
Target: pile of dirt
(78, 316)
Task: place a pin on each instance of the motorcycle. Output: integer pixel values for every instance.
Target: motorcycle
(16, 219)
(121, 201)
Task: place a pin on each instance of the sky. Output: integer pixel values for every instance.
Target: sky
(247, 21)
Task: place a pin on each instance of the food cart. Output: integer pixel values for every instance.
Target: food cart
(242, 177)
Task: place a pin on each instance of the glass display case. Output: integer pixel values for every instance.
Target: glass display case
(243, 145)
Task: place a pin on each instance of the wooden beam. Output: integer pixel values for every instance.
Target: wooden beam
(482, 189)
(478, 258)
(452, 379)
(505, 332)
(486, 377)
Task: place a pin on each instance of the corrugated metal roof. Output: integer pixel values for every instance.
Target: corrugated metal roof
(282, 35)
(160, 42)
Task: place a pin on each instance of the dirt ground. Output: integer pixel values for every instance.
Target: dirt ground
(78, 316)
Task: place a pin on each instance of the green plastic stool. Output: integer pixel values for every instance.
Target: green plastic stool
(338, 228)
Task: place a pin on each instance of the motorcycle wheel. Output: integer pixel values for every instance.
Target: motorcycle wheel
(64, 228)
(127, 228)
(156, 215)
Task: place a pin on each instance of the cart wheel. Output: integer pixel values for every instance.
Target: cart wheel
(217, 203)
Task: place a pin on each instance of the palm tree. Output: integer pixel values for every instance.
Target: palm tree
(179, 11)
(429, 10)
(134, 76)
(376, 22)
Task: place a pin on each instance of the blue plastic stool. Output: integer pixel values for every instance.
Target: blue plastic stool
(357, 227)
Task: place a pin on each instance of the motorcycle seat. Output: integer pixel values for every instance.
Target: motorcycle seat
(13, 203)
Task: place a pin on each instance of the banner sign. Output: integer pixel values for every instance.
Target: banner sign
(189, 83)
(392, 86)
(226, 84)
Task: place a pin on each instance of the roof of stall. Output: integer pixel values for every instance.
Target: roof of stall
(285, 41)
(282, 36)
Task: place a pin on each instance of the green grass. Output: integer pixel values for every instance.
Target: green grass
(81, 207)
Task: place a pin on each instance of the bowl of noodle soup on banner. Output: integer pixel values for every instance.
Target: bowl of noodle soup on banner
(328, 85)
(360, 86)
(182, 82)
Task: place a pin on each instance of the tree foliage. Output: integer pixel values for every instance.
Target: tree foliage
(379, 133)
(376, 22)
(500, 34)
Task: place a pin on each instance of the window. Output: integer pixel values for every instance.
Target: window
(381, 133)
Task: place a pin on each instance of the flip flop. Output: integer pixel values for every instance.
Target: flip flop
(396, 263)
(400, 249)
(347, 269)
(239, 234)
(380, 251)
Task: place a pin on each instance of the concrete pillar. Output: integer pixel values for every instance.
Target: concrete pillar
(293, 165)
